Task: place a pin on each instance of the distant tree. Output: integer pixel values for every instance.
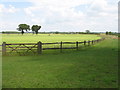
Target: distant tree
(3, 32)
(22, 27)
(110, 33)
(87, 31)
(107, 32)
(35, 28)
(56, 32)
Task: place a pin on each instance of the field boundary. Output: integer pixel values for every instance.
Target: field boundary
(37, 48)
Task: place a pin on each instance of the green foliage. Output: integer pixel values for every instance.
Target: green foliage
(107, 32)
(112, 33)
(22, 27)
(87, 31)
(118, 35)
(35, 28)
(56, 32)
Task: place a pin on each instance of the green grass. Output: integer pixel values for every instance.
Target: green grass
(90, 67)
(29, 38)
(45, 38)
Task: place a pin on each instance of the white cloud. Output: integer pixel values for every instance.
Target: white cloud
(102, 8)
(55, 13)
(59, 3)
(62, 15)
(9, 9)
(13, 1)
(1, 7)
(7, 25)
(29, 11)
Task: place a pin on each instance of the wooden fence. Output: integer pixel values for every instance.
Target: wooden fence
(37, 48)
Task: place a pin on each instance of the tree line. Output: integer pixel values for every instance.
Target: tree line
(25, 27)
(113, 33)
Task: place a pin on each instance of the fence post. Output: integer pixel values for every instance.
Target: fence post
(39, 48)
(97, 40)
(61, 46)
(76, 45)
(4, 48)
(92, 42)
(84, 42)
(88, 43)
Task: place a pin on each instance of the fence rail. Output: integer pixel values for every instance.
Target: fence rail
(39, 46)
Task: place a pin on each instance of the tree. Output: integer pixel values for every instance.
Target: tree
(110, 33)
(87, 31)
(56, 32)
(35, 28)
(22, 27)
(107, 32)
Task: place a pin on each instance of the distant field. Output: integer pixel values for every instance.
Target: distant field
(46, 38)
(27, 38)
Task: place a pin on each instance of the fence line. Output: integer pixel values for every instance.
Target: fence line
(38, 47)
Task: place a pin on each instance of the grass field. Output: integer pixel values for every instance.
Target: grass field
(90, 67)
(45, 38)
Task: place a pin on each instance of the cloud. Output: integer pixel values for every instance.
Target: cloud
(8, 25)
(55, 13)
(5, 17)
(1, 7)
(59, 3)
(12, 0)
(12, 9)
(101, 8)
(9, 9)
(68, 15)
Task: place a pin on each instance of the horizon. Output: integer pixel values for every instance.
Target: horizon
(57, 31)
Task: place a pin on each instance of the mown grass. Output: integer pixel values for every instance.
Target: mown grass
(45, 38)
(90, 67)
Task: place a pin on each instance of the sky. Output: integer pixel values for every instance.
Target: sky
(60, 15)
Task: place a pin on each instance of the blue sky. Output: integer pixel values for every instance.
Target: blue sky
(60, 15)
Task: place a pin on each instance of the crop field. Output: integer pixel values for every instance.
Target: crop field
(95, 66)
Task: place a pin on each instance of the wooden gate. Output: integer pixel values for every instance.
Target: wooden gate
(20, 48)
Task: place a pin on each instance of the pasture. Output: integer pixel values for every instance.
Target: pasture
(90, 67)
(45, 38)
